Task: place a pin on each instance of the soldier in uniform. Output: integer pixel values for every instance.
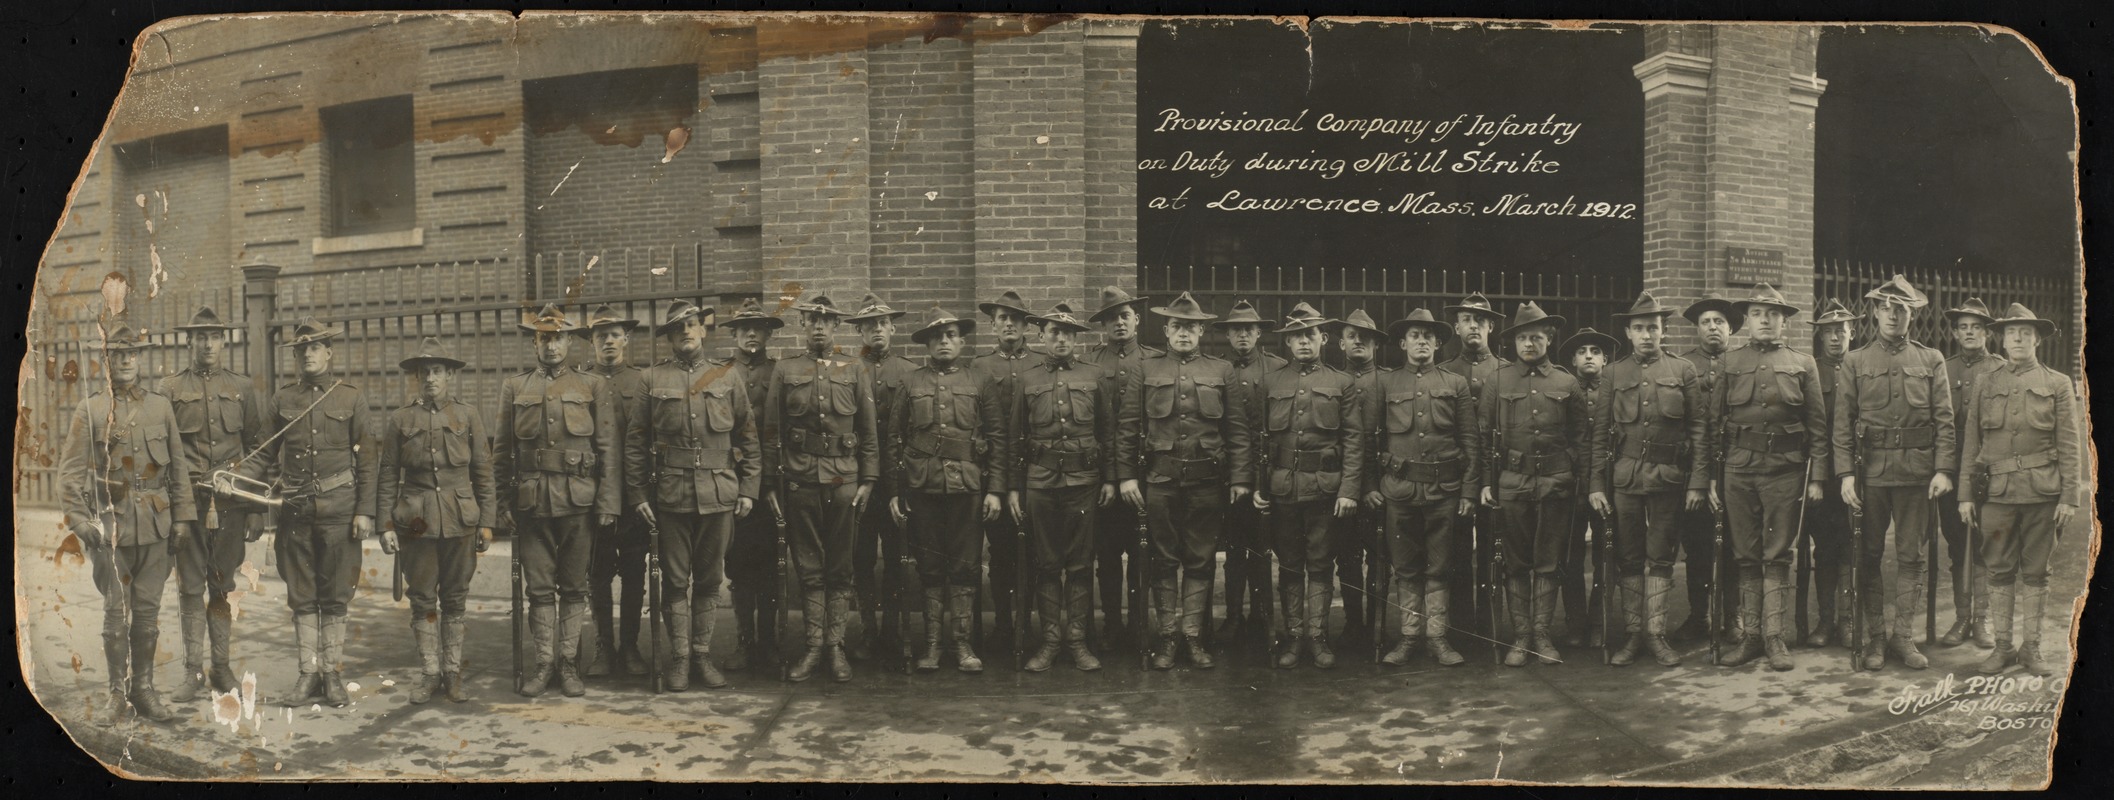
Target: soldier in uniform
(1586, 354)
(1653, 415)
(619, 552)
(1474, 320)
(436, 503)
(1771, 413)
(752, 557)
(1715, 325)
(1313, 444)
(1970, 361)
(1428, 445)
(2022, 448)
(945, 457)
(1896, 417)
(1181, 457)
(1542, 435)
(1350, 537)
(325, 461)
(877, 534)
(1005, 364)
(1828, 520)
(556, 454)
(1247, 564)
(691, 468)
(218, 415)
(820, 462)
(1119, 353)
(1063, 424)
(125, 481)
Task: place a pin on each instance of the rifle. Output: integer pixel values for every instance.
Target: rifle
(520, 612)
(1023, 588)
(1930, 579)
(1140, 592)
(1378, 572)
(1500, 606)
(654, 621)
(1717, 545)
(1604, 578)
(789, 583)
(1857, 632)
(1279, 632)
(1802, 551)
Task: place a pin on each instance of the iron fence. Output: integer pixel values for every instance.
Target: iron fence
(2049, 298)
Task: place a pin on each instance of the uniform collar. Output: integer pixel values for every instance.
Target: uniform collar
(607, 370)
(316, 382)
(1308, 367)
(1417, 369)
(1976, 357)
(757, 359)
(1589, 381)
(1765, 346)
(688, 366)
(552, 372)
(1537, 369)
(873, 357)
(1122, 348)
(1193, 355)
(1055, 363)
(1895, 346)
(1824, 358)
(435, 405)
(1021, 353)
(1362, 368)
(949, 368)
(1648, 360)
(1479, 357)
(205, 374)
(2021, 369)
(130, 391)
(1252, 357)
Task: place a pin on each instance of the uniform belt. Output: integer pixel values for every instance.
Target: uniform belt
(952, 448)
(1878, 438)
(1308, 460)
(1653, 452)
(134, 482)
(1762, 441)
(337, 480)
(693, 458)
(1185, 471)
(1420, 471)
(822, 443)
(566, 462)
(1538, 464)
(2018, 463)
(1055, 460)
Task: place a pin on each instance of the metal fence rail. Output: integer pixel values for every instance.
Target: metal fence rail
(1848, 280)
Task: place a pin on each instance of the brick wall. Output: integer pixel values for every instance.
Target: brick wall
(813, 130)
(1111, 159)
(1031, 164)
(925, 166)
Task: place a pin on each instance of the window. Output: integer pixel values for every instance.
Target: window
(370, 186)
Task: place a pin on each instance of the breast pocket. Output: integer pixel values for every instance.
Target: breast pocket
(1789, 388)
(1402, 408)
(1440, 405)
(924, 404)
(799, 395)
(965, 408)
(1042, 406)
(844, 394)
(157, 444)
(1739, 387)
(190, 411)
(1080, 403)
(1211, 397)
(528, 417)
(2040, 408)
(1159, 397)
(1279, 409)
(1328, 407)
(455, 441)
(1998, 400)
(578, 412)
(719, 407)
(1917, 384)
(337, 428)
(1673, 403)
(1873, 390)
(670, 414)
(1628, 402)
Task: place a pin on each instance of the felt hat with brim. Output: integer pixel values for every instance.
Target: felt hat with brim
(1419, 318)
(872, 307)
(1475, 304)
(205, 320)
(122, 337)
(1834, 311)
(1185, 307)
(1362, 321)
(679, 311)
(1061, 316)
(819, 304)
(1113, 299)
(1974, 307)
(430, 351)
(1009, 300)
(1765, 296)
(605, 315)
(1898, 291)
(1710, 302)
(1243, 313)
(2019, 314)
(549, 319)
(751, 313)
(1583, 337)
(309, 330)
(1530, 315)
(936, 319)
(1303, 316)
(1646, 306)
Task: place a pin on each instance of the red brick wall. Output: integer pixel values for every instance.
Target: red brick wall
(1031, 165)
(924, 180)
(816, 199)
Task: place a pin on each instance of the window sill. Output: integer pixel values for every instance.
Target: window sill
(388, 240)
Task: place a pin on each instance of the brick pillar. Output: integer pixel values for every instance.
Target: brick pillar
(1111, 158)
(812, 124)
(1728, 161)
(260, 302)
(1030, 123)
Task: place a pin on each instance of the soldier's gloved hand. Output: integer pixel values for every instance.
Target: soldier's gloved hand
(991, 507)
(362, 527)
(899, 510)
(646, 513)
(1849, 493)
(484, 539)
(1374, 500)
(2063, 513)
(1238, 491)
(605, 520)
(1346, 506)
(1967, 512)
(1696, 499)
(1940, 484)
(389, 543)
(1815, 492)
(742, 507)
(1599, 501)
(1131, 493)
(1020, 515)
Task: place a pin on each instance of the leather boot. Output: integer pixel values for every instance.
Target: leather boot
(1163, 602)
(117, 659)
(702, 621)
(1077, 607)
(1317, 625)
(143, 697)
(2032, 600)
(2001, 601)
(744, 636)
(193, 619)
(1196, 600)
(1776, 597)
(935, 621)
(839, 616)
(1292, 613)
(1521, 602)
(1750, 645)
(1826, 583)
(1630, 593)
(961, 604)
(543, 632)
(1657, 591)
(677, 617)
(451, 632)
(1052, 628)
(814, 613)
(425, 633)
(571, 618)
(218, 617)
(598, 601)
(1908, 595)
(1412, 600)
(1983, 636)
(1236, 589)
(1438, 600)
(307, 640)
(1545, 598)
(334, 661)
(1963, 627)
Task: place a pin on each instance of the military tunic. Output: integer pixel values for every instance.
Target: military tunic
(1003, 534)
(1770, 401)
(1895, 411)
(944, 457)
(1428, 446)
(436, 490)
(1963, 373)
(2022, 440)
(557, 461)
(620, 551)
(1544, 432)
(1654, 411)
(1120, 360)
(691, 453)
(1245, 537)
(752, 555)
(1350, 537)
(1697, 526)
(1061, 443)
(219, 417)
(876, 544)
(325, 462)
(1313, 444)
(123, 468)
(819, 445)
(1180, 435)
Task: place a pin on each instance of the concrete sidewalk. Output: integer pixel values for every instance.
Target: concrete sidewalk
(1577, 722)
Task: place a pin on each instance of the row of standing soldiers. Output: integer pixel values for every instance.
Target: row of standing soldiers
(1452, 477)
